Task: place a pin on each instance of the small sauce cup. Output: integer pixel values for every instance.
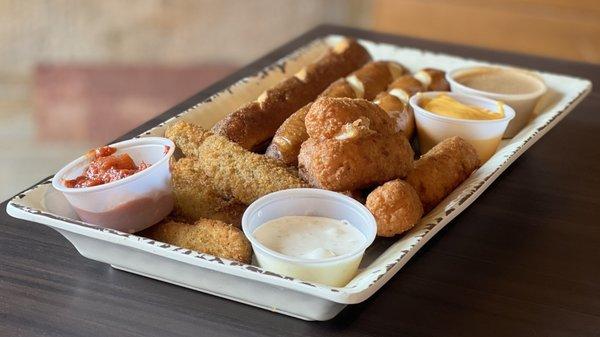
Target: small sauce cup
(130, 204)
(522, 103)
(336, 271)
(484, 135)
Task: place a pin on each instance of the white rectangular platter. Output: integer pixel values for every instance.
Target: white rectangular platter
(250, 284)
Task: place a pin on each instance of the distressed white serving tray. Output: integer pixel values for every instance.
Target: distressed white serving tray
(253, 285)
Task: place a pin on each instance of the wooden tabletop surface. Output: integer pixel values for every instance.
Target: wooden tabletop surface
(523, 260)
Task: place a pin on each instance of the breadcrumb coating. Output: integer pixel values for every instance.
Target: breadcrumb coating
(438, 172)
(206, 236)
(233, 171)
(396, 207)
(196, 198)
(342, 165)
(328, 116)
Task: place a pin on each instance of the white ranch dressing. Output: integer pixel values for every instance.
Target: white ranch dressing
(309, 237)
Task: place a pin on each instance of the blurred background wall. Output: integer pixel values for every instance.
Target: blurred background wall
(76, 74)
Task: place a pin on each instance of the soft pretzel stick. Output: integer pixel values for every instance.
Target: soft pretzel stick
(365, 83)
(395, 102)
(256, 122)
(433, 79)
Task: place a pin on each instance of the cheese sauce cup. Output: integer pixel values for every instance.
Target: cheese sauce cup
(129, 204)
(484, 135)
(333, 271)
(519, 88)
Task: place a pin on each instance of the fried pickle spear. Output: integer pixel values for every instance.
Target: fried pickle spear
(206, 236)
(196, 198)
(438, 172)
(366, 82)
(256, 122)
(396, 207)
(233, 171)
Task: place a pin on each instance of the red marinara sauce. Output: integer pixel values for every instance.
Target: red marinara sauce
(105, 167)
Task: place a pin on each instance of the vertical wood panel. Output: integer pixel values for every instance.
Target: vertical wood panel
(555, 28)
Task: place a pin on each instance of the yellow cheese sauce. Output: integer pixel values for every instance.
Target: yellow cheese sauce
(447, 106)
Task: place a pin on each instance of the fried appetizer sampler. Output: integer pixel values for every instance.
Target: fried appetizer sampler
(366, 82)
(433, 79)
(233, 171)
(396, 207)
(438, 172)
(196, 198)
(338, 117)
(206, 236)
(342, 165)
(256, 122)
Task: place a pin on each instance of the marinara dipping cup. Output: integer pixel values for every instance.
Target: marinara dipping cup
(129, 204)
(484, 135)
(332, 271)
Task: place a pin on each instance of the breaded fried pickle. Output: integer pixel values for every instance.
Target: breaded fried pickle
(233, 171)
(396, 207)
(206, 236)
(196, 198)
(438, 172)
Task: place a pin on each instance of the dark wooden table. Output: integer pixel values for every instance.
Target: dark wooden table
(524, 260)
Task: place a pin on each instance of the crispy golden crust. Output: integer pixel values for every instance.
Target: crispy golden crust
(233, 171)
(328, 117)
(356, 163)
(196, 198)
(187, 137)
(256, 122)
(396, 207)
(400, 112)
(374, 77)
(206, 236)
(244, 175)
(437, 173)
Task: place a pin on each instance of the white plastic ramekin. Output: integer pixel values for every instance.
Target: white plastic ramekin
(337, 271)
(130, 204)
(484, 135)
(523, 104)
